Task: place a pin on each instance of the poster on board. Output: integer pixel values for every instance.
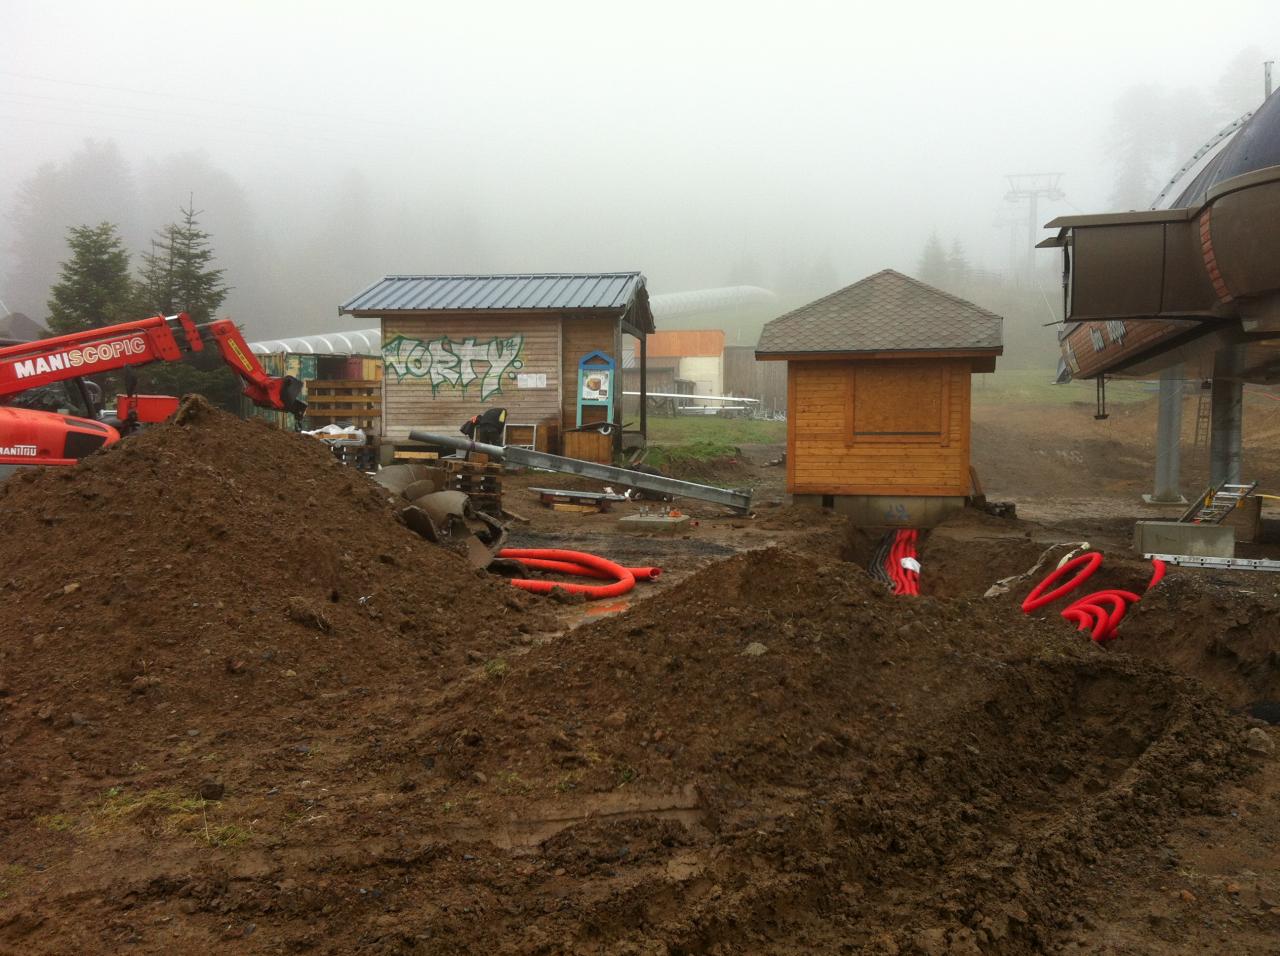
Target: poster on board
(595, 385)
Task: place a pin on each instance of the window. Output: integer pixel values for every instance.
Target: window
(891, 402)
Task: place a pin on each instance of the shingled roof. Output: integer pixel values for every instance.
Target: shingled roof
(885, 312)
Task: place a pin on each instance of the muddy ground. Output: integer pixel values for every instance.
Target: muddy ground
(243, 709)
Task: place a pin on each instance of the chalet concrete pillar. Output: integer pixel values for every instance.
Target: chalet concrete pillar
(1168, 440)
(1226, 415)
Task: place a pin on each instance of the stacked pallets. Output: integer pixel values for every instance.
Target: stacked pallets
(480, 481)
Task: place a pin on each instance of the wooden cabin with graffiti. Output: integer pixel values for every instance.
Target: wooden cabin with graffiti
(547, 348)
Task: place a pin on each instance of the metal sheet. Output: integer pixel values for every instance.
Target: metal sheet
(612, 290)
(739, 501)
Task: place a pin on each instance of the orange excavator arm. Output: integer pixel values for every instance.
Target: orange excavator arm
(31, 437)
(156, 339)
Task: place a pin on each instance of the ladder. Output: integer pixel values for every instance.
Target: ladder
(1202, 420)
(1216, 503)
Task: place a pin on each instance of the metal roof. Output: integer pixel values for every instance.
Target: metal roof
(674, 305)
(358, 342)
(885, 312)
(425, 293)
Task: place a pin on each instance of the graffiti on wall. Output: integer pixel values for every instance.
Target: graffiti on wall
(455, 363)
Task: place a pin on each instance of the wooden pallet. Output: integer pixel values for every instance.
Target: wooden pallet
(351, 400)
(481, 481)
(580, 502)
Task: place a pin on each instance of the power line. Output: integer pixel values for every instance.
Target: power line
(237, 104)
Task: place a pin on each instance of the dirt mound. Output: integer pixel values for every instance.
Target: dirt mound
(1224, 630)
(773, 755)
(196, 601)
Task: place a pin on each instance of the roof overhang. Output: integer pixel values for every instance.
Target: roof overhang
(983, 356)
(625, 315)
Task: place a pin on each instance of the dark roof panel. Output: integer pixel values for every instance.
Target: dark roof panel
(418, 293)
(885, 312)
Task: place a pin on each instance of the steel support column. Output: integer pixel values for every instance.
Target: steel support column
(1226, 415)
(644, 386)
(1169, 440)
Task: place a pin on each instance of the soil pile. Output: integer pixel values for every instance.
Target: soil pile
(773, 755)
(845, 768)
(1224, 629)
(210, 586)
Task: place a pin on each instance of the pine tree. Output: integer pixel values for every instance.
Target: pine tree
(94, 287)
(933, 262)
(177, 274)
(957, 266)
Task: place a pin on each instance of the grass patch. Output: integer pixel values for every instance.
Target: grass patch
(169, 812)
(510, 782)
(495, 669)
(691, 456)
(11, 875)
(727, 431)
(57, 822)
(1034, 386)
(228, 835)
(568, 782)
(121, 804)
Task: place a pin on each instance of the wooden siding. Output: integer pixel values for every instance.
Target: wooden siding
(582, 336)
(766, 381)
(825, 457)
(410, 401)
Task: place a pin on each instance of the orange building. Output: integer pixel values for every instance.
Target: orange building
(878, 379)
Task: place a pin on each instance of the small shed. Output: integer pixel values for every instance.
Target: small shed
(878, 384)
(547, 347)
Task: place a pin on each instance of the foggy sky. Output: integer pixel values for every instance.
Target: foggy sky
(676, 138)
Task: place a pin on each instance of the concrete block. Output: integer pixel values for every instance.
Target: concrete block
(653, 524)
(1174, 537)
(887, 511)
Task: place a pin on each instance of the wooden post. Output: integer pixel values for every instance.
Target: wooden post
(644, 387)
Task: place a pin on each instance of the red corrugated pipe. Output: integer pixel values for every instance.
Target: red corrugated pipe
(623, 579)
(1158, 568)
(1105, 620)
(905, 580)
(1103, 610)
(573, 567)
(1038, 598)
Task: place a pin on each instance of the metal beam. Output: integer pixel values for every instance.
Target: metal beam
(1226, 415)
(1169, 439)
(739, 501)
(1229, 564)
(644, 388)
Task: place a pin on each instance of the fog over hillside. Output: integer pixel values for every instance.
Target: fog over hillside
(796, 147)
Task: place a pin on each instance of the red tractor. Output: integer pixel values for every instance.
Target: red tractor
(34, 437)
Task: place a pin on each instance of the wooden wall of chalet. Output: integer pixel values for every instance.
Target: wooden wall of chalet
(582, 336)
(891, 427)
(766, 381)
(421, 392)
(424, 387)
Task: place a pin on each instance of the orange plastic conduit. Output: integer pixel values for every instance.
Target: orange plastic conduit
(572, 567)
(1108, 618)
(1158, 568)
(1038, 599)
(624, 579)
